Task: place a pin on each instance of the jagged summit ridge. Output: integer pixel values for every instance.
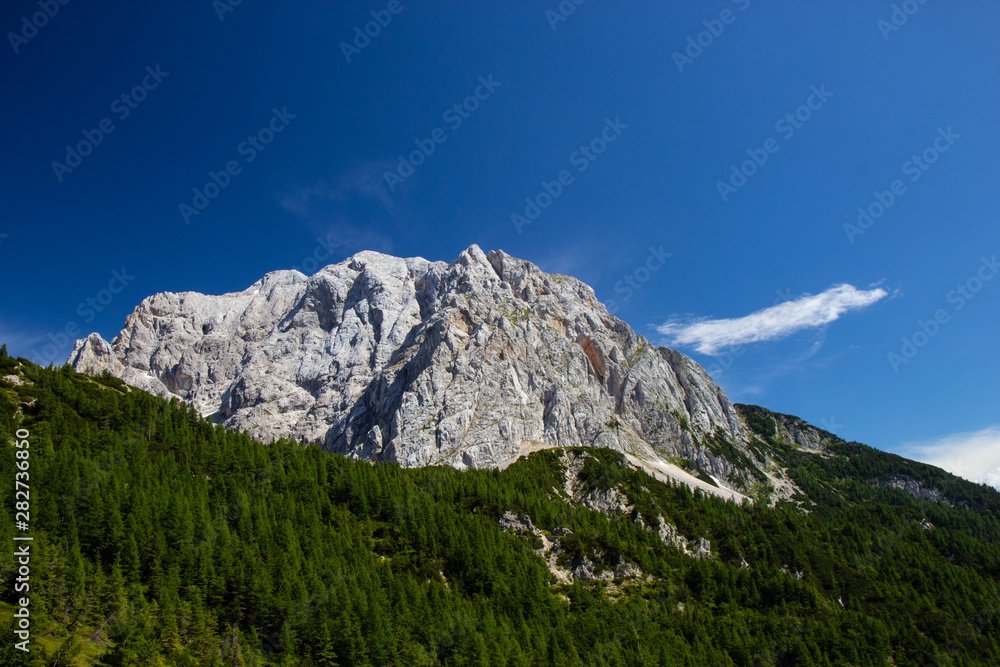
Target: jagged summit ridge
(421, 363)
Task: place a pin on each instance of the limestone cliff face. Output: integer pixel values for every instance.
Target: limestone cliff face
(419, 363)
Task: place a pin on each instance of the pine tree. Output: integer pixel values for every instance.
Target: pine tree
(232, 651)
(326, 654)
(131, 565)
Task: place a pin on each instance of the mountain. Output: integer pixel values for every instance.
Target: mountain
(421, 363)
(160, 538)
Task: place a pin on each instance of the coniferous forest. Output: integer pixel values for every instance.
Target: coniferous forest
(162, 539)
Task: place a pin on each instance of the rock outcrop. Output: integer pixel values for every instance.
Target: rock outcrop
(420, 363)
(798, 432)
(700, 548)
(914, 487)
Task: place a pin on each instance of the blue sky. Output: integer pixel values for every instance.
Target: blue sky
(642, 109)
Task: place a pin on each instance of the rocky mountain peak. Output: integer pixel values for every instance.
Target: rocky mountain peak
(468, 363)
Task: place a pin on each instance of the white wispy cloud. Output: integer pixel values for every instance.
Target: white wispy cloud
(353, 207)
(974, 456)
(361, 182)
(709, 336)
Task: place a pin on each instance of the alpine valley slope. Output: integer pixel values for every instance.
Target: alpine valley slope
(420, 363)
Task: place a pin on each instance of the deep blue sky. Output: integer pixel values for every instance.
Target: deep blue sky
(778, 237)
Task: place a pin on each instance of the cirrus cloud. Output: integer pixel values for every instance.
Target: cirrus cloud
(710, 336)
(361, 182)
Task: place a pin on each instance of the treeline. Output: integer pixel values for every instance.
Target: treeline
(161, 539)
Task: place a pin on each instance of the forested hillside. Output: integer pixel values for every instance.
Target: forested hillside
(161, 539)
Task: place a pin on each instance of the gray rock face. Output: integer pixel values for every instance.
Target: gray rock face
(419, 363)
(517, 523)
(701, 548)
(611, 501)
(586, 571)
(914, 487)
(798, 432)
